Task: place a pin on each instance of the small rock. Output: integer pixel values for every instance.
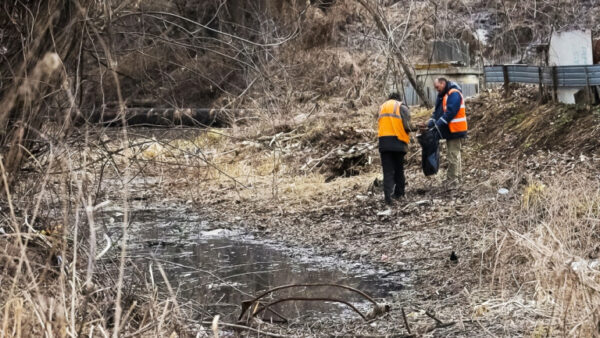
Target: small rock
(300, 118)
(217, 233)
(503, 191)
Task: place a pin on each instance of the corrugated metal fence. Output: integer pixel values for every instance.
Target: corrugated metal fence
(558, 76)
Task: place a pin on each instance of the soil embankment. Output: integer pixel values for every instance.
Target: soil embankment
(469, 251)
(446, 239)
(478, 260)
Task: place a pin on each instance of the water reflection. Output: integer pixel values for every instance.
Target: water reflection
(219, 268)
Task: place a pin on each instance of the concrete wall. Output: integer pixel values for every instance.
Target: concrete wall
(468, 82)
(567, 49)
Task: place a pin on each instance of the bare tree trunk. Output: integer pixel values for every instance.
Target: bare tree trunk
(398, 52)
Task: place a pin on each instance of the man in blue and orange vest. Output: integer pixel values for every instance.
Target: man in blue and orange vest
(450, 120)
(394, 126)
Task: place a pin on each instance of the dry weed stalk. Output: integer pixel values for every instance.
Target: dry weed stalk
(545, 242)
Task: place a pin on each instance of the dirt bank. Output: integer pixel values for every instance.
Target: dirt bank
(282, 184)
(512, 252)
(514, 145)
(476, 257)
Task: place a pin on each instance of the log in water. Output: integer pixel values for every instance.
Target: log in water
(164, 117)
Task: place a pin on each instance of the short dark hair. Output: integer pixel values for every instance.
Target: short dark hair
(442, 79)
(395, 96)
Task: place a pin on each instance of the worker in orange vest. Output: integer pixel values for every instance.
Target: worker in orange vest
(394, 127)
(450, 120)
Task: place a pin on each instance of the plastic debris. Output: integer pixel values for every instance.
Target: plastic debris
(387, 212)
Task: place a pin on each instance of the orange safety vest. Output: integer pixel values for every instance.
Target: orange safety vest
(390, 121)
(459, 122)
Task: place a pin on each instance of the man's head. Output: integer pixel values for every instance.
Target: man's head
(440, 84)
(395, 96)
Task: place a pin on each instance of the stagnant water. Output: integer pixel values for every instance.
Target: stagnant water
(215, 268)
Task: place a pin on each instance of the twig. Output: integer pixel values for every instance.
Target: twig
(395, 272)
(439, 323)
(306, 299)
(405, 321)
(430, 315)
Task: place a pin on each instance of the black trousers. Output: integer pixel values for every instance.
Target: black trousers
(392, 163)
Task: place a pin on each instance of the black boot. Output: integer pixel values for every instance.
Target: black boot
(388, 200)
(398, 194)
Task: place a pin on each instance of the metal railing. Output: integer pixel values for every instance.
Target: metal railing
(555, 76)
(566, 76)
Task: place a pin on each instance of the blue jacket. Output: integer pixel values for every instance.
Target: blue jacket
(440, 119)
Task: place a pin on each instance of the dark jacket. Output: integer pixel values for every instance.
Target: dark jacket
(440, 119)
(392, 143)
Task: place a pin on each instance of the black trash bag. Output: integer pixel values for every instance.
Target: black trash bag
(430, 151)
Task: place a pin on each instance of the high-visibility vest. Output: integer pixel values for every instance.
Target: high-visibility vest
(459, 122)
(390, 121)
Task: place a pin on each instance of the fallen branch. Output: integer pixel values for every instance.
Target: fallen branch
(289, 286)
(306, 299)
(378, 308)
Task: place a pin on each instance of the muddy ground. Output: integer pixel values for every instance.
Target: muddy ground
(486, 259)
(448, 241)
(492, 258)
(438, 236)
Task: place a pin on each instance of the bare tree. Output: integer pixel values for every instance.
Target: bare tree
(400, 54)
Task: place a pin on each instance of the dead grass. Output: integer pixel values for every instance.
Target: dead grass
(57, 270)
(519, 121)
(544, 254)
(534, 250)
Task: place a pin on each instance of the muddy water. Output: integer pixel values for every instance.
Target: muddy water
(215, 268)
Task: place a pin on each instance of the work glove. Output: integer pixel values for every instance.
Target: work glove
(437, 127)
(430, 123)
(440, 123)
